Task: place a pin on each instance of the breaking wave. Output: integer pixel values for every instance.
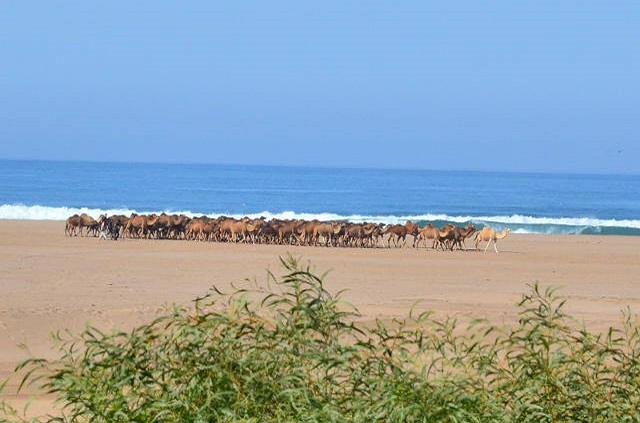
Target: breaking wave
(517, 223)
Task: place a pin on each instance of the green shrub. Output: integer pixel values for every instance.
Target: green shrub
(292, 352)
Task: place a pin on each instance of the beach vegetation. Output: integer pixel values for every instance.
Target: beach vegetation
(288, 350)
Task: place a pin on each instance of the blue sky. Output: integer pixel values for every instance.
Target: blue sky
(516, 86)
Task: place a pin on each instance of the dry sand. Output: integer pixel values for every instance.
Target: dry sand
(50, 282)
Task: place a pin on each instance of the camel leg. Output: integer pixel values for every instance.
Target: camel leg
(495, 245)
(488, 243)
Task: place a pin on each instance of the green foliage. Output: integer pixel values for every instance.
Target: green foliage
(292, 352)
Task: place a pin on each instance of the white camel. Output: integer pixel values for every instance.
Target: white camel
(488, 234)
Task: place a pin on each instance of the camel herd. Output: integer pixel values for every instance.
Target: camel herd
(276, 231)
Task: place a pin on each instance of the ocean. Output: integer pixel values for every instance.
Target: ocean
(524, 202)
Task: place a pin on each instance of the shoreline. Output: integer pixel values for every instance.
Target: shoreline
(52, 282)
(518, 223)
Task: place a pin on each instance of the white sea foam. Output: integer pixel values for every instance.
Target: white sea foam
(22, 212)
(519, 223)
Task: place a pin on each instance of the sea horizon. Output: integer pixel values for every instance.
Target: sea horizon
(329, 167)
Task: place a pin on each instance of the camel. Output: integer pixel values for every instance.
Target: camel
(200, 228)
(441, 236)
(461, 235)
(138, 225)
(90, 223)
(412, 229)
(120, 219)
(445, 237)
(328, 231)
(76, 223)
(169, 226)
(399, 233)
(72, 224)
(360, 234)
(225, 228)
(287, 231)
(243, 228)
(162, 226)
(267, 233)
(254, 229)
(305, 232)
(488, 234)
(354, 235)
(396, 233)
(275, 231)
(109, 227)
(428, 232)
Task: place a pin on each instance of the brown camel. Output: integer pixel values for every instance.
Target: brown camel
(399, 233)
(267, 233)
(412, 229)
(360, 234)
(462, 234)
(428, 232)
(305, 232)
(254, 229)
(451, 236)
(488, 234)
(200, 228)
(72, 224)
(162, 227)
(445, 237)
(88, 222)
(244, 228)
(328, 232)
(287, 231)
(138, 225)
(396, 233)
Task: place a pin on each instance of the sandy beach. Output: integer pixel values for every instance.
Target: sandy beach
(50, 282)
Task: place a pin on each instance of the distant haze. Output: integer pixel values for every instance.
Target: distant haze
(512, 86)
